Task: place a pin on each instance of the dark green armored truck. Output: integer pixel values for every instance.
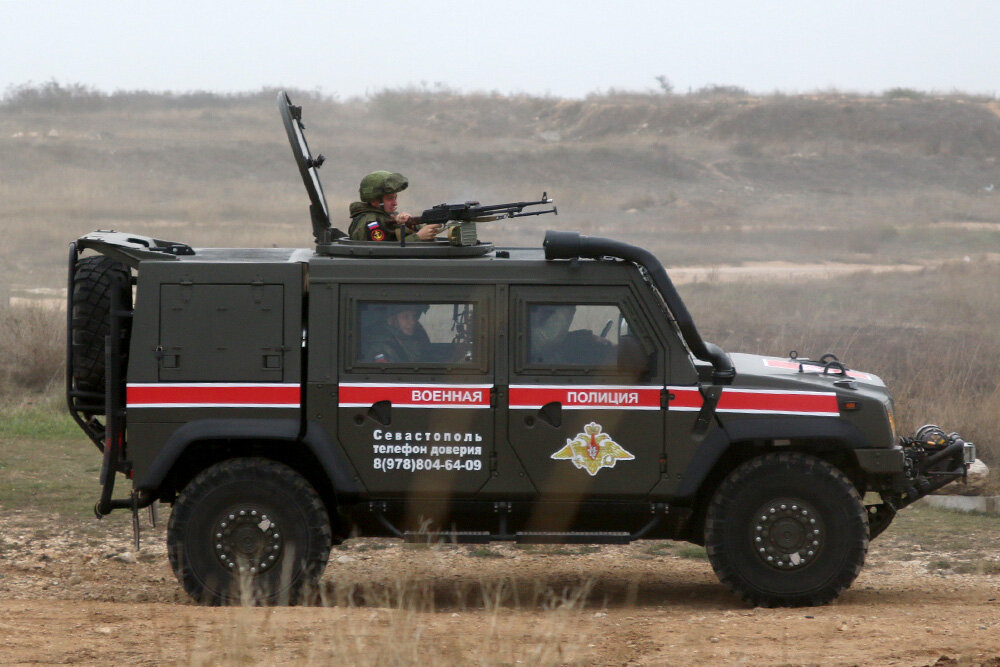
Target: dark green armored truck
(283, 400)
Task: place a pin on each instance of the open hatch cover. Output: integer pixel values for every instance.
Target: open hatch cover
(334, 242)
(291, 115)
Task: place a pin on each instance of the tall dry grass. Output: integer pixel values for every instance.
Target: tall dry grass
(32, 350)
(931, 335)
(400, 622)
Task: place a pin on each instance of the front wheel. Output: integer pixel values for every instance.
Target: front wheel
(248, 530)
(787, 530)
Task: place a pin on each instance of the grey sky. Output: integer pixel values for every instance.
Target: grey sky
(542, 46)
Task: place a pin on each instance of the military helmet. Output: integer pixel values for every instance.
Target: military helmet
(379, 183)
(418, 308)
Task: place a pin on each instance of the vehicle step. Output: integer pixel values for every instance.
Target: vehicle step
(450, 537)
(573, 538)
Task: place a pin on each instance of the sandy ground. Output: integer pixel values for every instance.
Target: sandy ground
(79, 593)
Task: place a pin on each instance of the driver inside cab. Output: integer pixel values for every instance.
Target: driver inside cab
(551, 341)
(400, 338)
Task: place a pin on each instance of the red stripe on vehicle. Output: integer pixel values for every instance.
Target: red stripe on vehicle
(735, 400)
(581, 397)
(759, 401)
(212, 395)
(684, 398)
(416, 395)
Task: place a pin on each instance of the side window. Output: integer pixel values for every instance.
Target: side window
(584, 334)
(416, 332)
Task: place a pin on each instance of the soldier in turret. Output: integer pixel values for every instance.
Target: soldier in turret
(374, 217)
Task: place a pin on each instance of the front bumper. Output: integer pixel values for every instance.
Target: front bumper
(920, 465)
(933, 459)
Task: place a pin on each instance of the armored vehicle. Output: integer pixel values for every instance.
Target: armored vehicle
(283, 400)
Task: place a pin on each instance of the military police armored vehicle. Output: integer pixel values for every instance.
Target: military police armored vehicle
(283, 400)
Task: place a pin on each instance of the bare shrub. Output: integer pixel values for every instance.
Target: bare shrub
(904, 94)
(53, 96)
(32, 348)
(715, 90)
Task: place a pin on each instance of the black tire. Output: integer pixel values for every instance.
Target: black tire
(252, 514)
(786, 530)
(92, 299)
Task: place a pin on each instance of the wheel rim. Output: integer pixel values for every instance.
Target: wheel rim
(247, 540)
(788, 534)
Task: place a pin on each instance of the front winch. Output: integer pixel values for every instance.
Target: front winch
(933, 459)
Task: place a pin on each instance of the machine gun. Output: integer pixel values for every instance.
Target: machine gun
(461, 219)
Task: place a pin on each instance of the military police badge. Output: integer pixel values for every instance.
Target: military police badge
(593, 450)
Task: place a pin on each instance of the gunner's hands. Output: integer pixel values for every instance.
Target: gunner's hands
(403, 218)
(428, 232)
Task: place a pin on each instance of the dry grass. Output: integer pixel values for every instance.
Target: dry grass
(32, 349)
(931, 335)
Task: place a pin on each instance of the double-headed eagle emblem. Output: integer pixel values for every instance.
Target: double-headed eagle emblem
(593, 450)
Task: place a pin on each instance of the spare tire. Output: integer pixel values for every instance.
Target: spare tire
(93, 297)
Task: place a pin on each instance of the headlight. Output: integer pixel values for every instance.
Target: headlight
(892, 421)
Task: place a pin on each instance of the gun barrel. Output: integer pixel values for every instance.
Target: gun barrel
(552, 210)
(518, 205)
(474, 212)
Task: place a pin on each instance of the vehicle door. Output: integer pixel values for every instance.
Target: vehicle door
(415, 388)
(585, 393)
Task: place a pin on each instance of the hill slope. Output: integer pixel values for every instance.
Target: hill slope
(701, 179)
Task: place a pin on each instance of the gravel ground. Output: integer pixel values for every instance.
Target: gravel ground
(76, 591)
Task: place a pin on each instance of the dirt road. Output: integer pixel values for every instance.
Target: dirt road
(76, 592)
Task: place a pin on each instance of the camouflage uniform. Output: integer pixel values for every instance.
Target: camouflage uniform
(390, 345)
(371, 223)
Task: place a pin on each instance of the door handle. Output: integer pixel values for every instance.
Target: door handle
(551, 414)
(381, 412)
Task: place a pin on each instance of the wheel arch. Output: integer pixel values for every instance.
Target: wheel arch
(737, 441)
(199, 444)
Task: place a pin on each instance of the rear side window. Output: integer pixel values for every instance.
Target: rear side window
(416, 333)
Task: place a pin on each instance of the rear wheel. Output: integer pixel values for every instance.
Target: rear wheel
(787, 529)
(249, 531)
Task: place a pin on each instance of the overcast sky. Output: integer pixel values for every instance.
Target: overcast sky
(570, 48)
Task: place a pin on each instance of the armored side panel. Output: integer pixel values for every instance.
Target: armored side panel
(493, 423)
(212, 333)
(217, 338)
